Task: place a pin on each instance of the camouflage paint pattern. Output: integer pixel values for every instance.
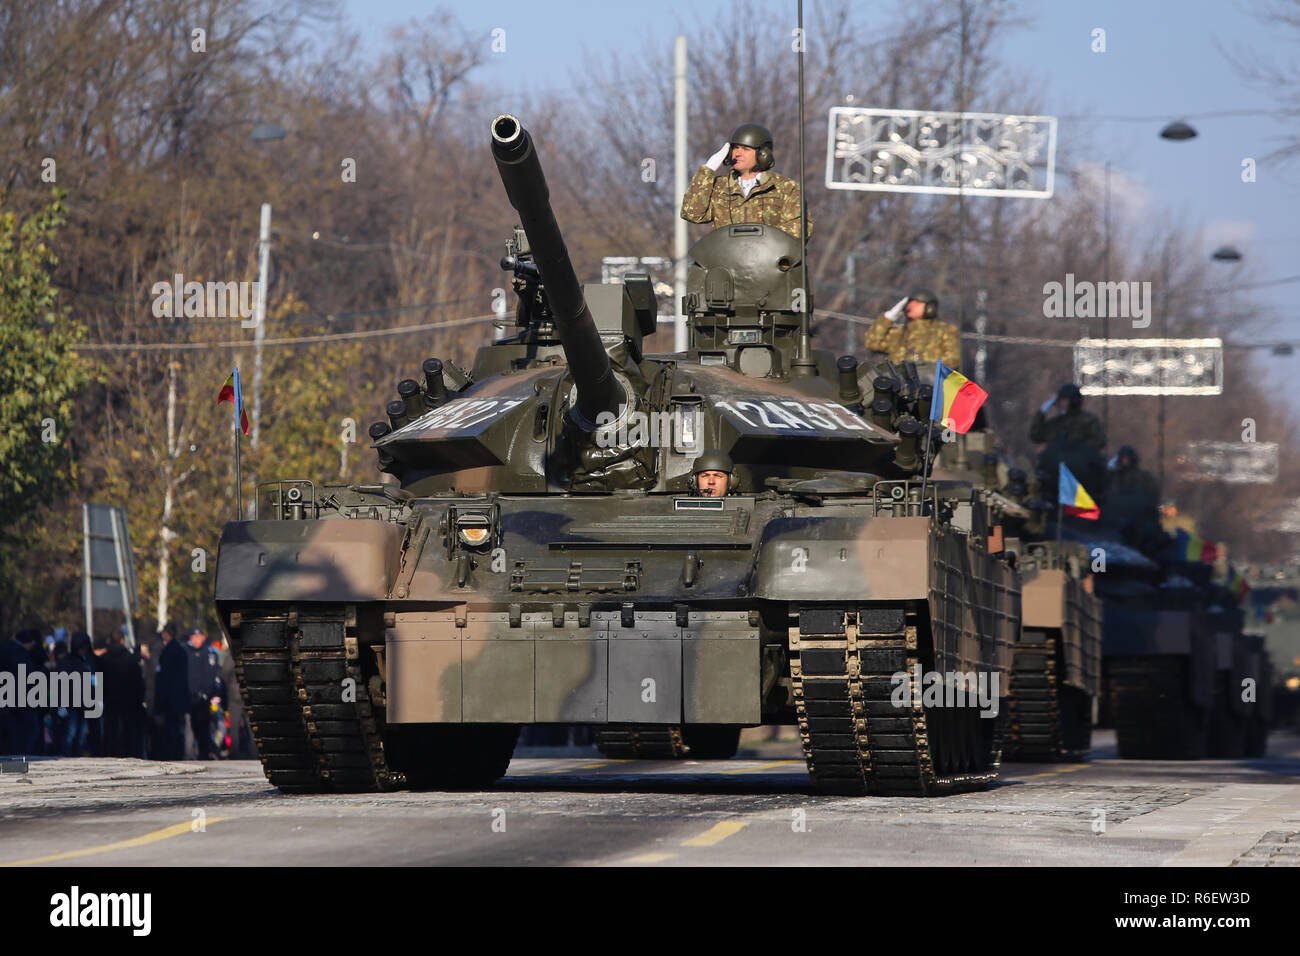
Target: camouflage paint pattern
(719, 200)
(920, 340)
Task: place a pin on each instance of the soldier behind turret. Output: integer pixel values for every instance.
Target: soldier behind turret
(750, 192)
(1071, 422)
(911, 332)
(1133, 502)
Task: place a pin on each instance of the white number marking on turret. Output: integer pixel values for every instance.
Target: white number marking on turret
(828, 416)
(463, 414)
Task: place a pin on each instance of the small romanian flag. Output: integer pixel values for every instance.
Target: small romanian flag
(233, 391)
(1237, 584)
(1193, 547)
(956, 399)
(1075, 499)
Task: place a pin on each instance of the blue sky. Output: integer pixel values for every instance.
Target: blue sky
(1164, 60)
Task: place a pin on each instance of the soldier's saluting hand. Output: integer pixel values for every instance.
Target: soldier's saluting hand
(911, 332)
(750, 192)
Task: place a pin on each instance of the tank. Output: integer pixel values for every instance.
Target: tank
(1054, 683)
(1056, 674)
(540, 554)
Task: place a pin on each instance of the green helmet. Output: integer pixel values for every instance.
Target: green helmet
(713, 460)
(758, 138)
(928, 298)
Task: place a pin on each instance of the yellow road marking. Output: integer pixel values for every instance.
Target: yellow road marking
(1052, 773)
(163, 834)
(768, 765)
(593, 766)
(716, 833)
(650, 858)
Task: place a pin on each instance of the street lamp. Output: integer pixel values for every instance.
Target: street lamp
(262, 133)
(1178, 130)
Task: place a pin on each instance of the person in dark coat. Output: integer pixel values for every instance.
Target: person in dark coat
(205, 685)
(172, 703)
(75, 725)
(150, 654)
(38, 657)
(123, 699)
(11, 655)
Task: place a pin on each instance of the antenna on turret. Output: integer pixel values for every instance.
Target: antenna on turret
(802, 361)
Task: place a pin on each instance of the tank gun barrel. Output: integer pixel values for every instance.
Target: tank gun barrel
(521, 174)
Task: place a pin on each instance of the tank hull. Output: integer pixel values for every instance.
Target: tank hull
(357, 639)
(1056, 675)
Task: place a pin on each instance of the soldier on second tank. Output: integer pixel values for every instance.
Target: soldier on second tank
(911, 332)
(751, 191)
(1071, 422)
(713, 475)
(1133, 502)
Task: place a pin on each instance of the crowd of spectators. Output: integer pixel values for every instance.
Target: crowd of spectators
(166, 699)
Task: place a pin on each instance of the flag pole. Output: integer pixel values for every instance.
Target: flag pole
(239, 475)
(925, 461)
(1060, 516)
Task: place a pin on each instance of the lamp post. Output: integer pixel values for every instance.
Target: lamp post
(262, 133)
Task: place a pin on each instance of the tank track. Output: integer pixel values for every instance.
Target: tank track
(1040, 728)
(855, 740)
(641, 742)
(1154, 718)
(314, 731)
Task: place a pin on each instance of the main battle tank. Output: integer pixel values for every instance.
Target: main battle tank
(1056, 666)
(541, 556)
(1184, 682)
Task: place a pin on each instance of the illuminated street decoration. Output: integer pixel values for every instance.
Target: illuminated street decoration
(1233, 462)
(1149, 366)
(920, 151)
(1289, 521)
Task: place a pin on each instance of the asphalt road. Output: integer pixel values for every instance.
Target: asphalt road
(587, 810)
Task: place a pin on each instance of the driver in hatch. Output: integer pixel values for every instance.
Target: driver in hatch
(713, 475)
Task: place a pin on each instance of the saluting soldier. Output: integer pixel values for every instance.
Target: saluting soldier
(911, 332)
(751, 191)
(1070, 422)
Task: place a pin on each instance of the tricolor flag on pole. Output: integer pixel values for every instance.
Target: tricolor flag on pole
(1074, 499)
(233, 391)
(1237, 583)
(956, 399)
(1192, 547)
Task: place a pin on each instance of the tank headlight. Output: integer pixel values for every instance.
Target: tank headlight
(474, 531)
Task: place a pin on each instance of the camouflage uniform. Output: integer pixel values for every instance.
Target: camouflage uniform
(1075, 425)
(774, 201)
(1136, 479)
(920, 340)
